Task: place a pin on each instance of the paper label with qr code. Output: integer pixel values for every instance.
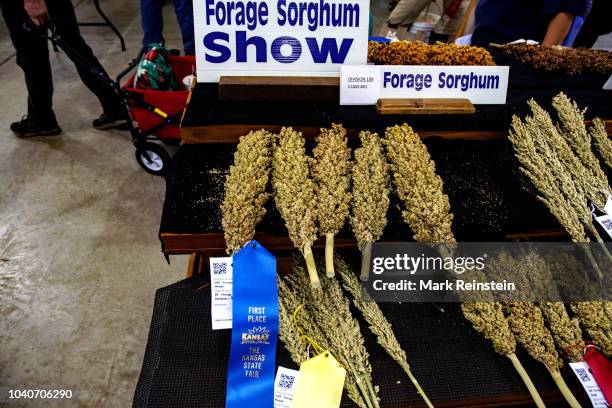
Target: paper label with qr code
(606, 223)
(583, 372)
(221, 292)
(284, 385)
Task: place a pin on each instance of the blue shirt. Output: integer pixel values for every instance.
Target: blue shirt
(502, 21)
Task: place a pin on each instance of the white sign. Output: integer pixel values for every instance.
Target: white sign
(284, 386)
(221, 272)
(279, 37)
(583, 372)
(366, 84)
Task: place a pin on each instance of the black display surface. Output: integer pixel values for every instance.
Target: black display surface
(185, 363)
(489, 196)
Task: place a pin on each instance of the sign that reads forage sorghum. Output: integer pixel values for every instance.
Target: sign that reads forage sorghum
(365, 84)
(279, 37)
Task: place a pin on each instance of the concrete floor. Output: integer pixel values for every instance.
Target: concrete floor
(79, 255)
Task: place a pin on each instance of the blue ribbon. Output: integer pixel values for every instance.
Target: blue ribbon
(250, 375)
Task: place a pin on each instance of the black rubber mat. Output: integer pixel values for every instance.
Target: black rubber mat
(185, 361)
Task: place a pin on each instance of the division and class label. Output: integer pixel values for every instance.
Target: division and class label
(366, 84)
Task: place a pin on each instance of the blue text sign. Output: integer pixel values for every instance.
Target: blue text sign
(279, 37)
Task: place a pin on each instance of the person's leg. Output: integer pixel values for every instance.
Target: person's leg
(33, 58)
(184, 15)
(152, 21)
(62, 15)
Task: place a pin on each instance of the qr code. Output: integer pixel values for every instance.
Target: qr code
(219, 268)
(286, 381)
(582, 374)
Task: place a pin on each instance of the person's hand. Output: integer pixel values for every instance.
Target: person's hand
(37, 11)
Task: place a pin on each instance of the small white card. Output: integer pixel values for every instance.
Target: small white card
(583, 372)
(359, 84)
(284, 386)
(221, 292)
(606, 223)
(608, 84)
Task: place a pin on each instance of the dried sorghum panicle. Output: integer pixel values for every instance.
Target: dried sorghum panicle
(330, 311)
(418, 53)
(565, 330)
(574, 132)
(294, 193)
(331, 169)
(489, 320)
(527, 324)
(289, 303)
(596, 317)
(573, 61)
(602, 142)
(245, 189)
(542, 167)
(378, 323)
(427, 209)
(370, 180)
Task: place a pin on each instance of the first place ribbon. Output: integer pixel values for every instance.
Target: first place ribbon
(250, 376)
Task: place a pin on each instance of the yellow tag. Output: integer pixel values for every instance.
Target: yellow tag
(160, 112)
(320, 383)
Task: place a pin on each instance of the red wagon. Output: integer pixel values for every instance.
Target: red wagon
(156, 114)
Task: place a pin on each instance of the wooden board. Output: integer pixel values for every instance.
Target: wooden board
(231, 133)
(261, 88)
(214, 243)
(419, 106)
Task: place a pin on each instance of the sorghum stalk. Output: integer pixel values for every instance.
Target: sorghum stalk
(602, 142)
(370, 195)
(245, 189)
(331, 168)
(294, 193)
(378, 324)
(426, 207)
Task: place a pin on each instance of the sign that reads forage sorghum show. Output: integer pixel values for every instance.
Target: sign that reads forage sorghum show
(279, 37)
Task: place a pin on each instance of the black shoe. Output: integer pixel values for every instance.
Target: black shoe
(108, 121)
(25, 128)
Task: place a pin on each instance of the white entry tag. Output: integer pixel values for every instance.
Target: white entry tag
(608, 84)
(606, 223)
(582, 371)
(221, 292)
(284, 386)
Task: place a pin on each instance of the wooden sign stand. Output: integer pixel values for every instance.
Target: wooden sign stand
(275, 89)
(424, 107)
(326, 89)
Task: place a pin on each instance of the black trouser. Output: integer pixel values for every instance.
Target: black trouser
(33, 58)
